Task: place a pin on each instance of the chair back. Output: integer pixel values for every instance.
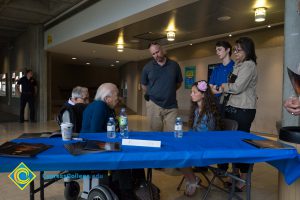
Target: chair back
(229, 124)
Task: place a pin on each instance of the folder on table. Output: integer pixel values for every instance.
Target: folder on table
(13, 149)
(268, 144)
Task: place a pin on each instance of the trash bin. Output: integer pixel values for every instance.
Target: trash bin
(289, 135)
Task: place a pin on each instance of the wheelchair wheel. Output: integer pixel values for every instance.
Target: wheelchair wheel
(100, 193)
(72, 190)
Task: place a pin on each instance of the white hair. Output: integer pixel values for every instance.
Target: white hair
(105, 90)
(78, 92)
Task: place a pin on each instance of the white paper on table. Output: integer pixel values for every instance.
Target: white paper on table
(141, 143)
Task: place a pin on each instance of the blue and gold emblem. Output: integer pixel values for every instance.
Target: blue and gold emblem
(22, 176)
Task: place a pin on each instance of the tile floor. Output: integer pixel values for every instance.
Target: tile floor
(264, 176)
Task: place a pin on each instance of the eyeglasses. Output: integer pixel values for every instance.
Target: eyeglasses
(237, 50)
(85, 99)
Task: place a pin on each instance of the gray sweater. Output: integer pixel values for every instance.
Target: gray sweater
(243, 90)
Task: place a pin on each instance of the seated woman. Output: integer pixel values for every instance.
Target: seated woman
(204, 117)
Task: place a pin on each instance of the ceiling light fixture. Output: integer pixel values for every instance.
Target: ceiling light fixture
(230, 35)
(170, 36)
(74, 58)
(87, 63)
(120, 47)
(260, 14)
(120, 42)
(224, 18)
(269, 26)
(117, 61)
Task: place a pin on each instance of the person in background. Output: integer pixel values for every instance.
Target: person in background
(241, 105)
(161, 77)
(28, 91)
(292, 105)
(72, 110)
(220, 73)
(204, 116)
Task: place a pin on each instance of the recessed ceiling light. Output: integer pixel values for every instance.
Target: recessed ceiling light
(269, 26)
(117, 61)
(134, 41)
(224, 18)
(191, 44)
(230, 35)
(87, 63)
(112, 65)
(74, 58)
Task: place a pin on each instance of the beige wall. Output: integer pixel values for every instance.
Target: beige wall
(269, 89)
(65, 76)
(130, 76)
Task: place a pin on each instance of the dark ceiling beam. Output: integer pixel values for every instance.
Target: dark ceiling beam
(5, 39)
(62, 1)
(9, 28)
(46, 13)
(16, 20)
(4, 5)
(69, 12)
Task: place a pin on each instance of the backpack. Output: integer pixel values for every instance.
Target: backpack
(75, 113)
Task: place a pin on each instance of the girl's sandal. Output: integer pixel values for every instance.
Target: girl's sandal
(190, 188)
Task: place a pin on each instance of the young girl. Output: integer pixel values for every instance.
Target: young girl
(204, 113)
(204, 117)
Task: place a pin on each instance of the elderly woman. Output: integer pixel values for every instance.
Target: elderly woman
(241, 93)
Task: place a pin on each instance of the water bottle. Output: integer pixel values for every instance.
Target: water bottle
(123, 122)
(178, 133)
(111, 128)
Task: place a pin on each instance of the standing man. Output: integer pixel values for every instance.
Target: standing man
(161, 77)
(28, 91)
(220, 74)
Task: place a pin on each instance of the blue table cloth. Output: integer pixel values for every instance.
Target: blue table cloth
(194, 149)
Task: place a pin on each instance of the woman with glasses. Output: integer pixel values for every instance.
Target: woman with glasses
(241, 105)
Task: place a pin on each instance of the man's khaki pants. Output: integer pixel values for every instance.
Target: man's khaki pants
(160, 119)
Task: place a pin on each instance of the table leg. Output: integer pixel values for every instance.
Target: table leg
(42, 186)
(31, 192)
(248, 182)
(149, 182)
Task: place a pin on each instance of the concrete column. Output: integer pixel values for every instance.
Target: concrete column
(291, 60)
(291, 55)
(39, 63)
